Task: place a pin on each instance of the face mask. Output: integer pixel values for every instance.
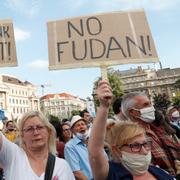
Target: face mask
(84, 136)
(136, 164)
(175, 114)
(147, 114)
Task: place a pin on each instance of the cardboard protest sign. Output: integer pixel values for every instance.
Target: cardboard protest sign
(100, 40)
(7, 44)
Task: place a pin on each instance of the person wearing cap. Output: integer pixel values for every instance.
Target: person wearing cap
(76, 152)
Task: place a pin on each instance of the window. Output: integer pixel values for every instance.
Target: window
(1, 105)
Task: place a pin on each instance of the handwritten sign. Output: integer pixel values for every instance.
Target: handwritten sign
(7, 44)
(100, 40)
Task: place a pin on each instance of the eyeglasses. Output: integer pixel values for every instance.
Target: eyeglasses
(65, 130)
(136, 147)
(31, 129)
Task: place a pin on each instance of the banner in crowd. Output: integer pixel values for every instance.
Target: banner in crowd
(100, 40)
(7, 44)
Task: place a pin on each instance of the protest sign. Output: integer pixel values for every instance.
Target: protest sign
(100, 40)
(7, 44)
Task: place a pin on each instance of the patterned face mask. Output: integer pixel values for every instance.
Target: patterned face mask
(137, 164)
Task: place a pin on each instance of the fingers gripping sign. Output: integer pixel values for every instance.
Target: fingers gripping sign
(104, 93)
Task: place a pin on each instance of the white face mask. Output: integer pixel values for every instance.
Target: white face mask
(84, 136)
(136, 164)
(175, 114)
(147, 114)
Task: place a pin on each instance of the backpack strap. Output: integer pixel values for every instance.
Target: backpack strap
(49, 167)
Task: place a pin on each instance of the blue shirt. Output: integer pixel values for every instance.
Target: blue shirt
(76, 154)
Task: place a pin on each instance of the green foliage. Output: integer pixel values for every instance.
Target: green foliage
(53, 118)
(161, 101)
(74, 112)
(116, 86)
(176, 101)
(177, 84)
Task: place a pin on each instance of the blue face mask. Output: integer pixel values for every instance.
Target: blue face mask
(84, 136)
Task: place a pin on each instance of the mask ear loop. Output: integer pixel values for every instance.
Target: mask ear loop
(134, 109)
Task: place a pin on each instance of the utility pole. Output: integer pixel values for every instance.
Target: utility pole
(42, 87)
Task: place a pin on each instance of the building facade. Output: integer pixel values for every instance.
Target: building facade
(61, 105)
(17, 97)
(150, 81)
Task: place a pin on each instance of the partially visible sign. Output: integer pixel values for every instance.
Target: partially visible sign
(2, 116)
(100, 40)
(7, 44)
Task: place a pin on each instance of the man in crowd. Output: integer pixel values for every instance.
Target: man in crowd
(165, 149)
(10, 131)
(87, 117)
(76, 152)
(117, 110)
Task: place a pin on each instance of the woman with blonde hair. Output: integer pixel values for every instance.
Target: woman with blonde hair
(131, 149)
(30, 160)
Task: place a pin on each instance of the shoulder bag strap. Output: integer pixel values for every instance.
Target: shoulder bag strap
(49, 167)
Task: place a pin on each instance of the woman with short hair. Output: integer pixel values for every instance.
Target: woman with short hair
(37, 140)
(131, 149)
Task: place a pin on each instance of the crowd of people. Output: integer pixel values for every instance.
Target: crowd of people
(139, 142)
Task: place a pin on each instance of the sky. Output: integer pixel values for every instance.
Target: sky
(30, 19)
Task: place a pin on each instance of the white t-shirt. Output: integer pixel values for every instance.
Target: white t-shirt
(17, 167)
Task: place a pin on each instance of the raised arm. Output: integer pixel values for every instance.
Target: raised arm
(98, 160)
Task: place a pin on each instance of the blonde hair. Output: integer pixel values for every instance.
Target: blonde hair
(121, 133)
(44, 120)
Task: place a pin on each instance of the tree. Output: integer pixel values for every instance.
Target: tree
(75, 112)
(177, 89)
(177, 84)
(53, 118)
(161, 101)
(176, 101)
(116, 86)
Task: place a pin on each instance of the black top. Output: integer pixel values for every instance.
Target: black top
(118, 172)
